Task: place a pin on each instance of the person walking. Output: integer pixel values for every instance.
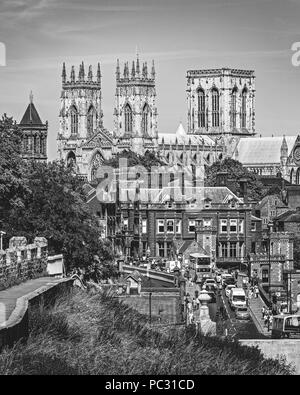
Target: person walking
(270, 322)
(256, 290)
(266, 320)
(263, 311)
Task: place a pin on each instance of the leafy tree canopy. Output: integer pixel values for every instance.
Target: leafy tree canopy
(47, 199)
(147, 160)
(236, 172)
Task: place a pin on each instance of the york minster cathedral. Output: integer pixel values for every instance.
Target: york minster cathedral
(220, 121)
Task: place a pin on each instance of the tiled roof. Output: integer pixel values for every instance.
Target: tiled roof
(259, 150)
(31, 116)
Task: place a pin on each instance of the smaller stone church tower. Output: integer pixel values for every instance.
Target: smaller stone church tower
(34, 139)
(135, 114)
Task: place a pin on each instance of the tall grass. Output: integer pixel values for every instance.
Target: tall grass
(96, 334)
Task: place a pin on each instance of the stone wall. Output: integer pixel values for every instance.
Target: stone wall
(164, 305)
(22, 261)
(17, 326)
(288, 348)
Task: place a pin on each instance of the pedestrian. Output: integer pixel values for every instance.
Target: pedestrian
(250, 294)
(194, 303)
(263, 311)
(266, 320)
(270, 322)
(256, 290)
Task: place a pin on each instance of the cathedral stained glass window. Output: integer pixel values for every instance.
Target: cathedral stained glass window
(244, 107)
(215, 108)
(201, 108)
(128, 119)
(74, 120)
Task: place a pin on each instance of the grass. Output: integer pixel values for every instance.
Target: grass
(96, 334)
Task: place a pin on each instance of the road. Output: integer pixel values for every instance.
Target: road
(242, 329)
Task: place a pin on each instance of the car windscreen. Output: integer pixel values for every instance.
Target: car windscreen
(237, 298)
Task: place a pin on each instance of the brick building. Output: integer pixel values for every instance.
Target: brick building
(157, 225)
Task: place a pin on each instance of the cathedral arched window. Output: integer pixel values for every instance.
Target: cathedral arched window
(201, 108)
(244, 108)
(71, 159)
(298, 176)
(74, 120)
(95, 164)
(146, 119)
(215, 108)
(90, 121)
(292, 176)
(233, 107)
(128, 119)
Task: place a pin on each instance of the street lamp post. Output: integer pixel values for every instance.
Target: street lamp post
(2, 233)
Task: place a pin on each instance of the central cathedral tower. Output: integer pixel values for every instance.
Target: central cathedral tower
(135, 125)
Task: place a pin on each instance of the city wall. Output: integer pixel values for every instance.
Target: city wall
(22, 261)
(271, 348)
(17, 326)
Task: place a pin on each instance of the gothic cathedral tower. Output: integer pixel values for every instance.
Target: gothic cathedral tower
(135, 126)
(80, 116)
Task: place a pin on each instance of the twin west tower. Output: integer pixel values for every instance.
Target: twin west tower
(82, 137)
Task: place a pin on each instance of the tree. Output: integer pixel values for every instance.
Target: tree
(236, 172)
(148, 160)
(54, 207)
(12, 186)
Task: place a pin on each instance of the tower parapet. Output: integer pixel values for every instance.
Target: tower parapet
(83, 81)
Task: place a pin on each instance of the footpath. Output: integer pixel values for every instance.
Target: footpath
(255, 308)
(9, 297)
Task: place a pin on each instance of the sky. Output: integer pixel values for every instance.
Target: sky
(39, 35)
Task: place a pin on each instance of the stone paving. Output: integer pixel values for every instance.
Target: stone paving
(8, 297)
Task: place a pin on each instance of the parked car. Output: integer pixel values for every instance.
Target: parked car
(242, 313)
(229, 281)
(210, 282)
(228, 289)
(224, 276)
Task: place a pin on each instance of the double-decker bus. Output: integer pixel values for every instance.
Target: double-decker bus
(200, 264)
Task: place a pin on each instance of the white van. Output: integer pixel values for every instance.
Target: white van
(237, 298)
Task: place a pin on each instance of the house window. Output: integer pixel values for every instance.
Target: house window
(233, 225)
(223, 225)
(192, 226)
(224, 250)
(232, 250)
(144, 226)
(178, 226)
(161, 249)
(241, 226)
(170, 226)
(265, 276)
(253, 226)
(207, 222)
(169, 249)
(160, 226)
